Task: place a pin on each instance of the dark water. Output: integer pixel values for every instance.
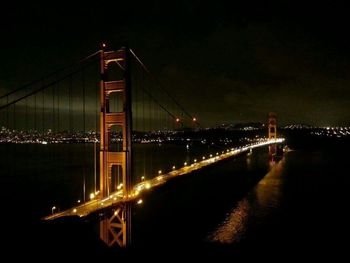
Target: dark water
(246, 206)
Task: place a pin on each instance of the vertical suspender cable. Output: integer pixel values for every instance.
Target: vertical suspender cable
(7, 114)
(26, 132)
(97, 92)
(35, 127)
(58, 131)
(84, 135)
(53, 109)
(36, 133)
(7, 131)
(58, 108)
(26, 112)
(42, 113)
(14, 117)
(152, 129)
(69, 133)
(144, 130)
(14, 129)
(70, 105)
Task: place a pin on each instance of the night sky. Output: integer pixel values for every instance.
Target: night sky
(224, 63)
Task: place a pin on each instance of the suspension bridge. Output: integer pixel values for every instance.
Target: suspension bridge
(112, 105)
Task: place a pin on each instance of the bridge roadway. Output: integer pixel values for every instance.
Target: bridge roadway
(117, 197)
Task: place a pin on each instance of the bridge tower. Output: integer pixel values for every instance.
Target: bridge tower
(272, 134)
(272, 126)
(115, 228)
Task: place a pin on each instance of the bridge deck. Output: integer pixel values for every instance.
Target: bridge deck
(117, 197)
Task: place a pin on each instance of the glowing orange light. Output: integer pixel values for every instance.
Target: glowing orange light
(194, 119)
(177, 120)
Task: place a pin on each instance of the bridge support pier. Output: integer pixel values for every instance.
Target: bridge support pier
(115, 226)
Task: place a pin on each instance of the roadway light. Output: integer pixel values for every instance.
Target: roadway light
(92, 196)
(53, 208)
(160, 172)
(174, 167)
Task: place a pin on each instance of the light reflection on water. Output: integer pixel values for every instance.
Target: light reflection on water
(255, 207)
(233, 227)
